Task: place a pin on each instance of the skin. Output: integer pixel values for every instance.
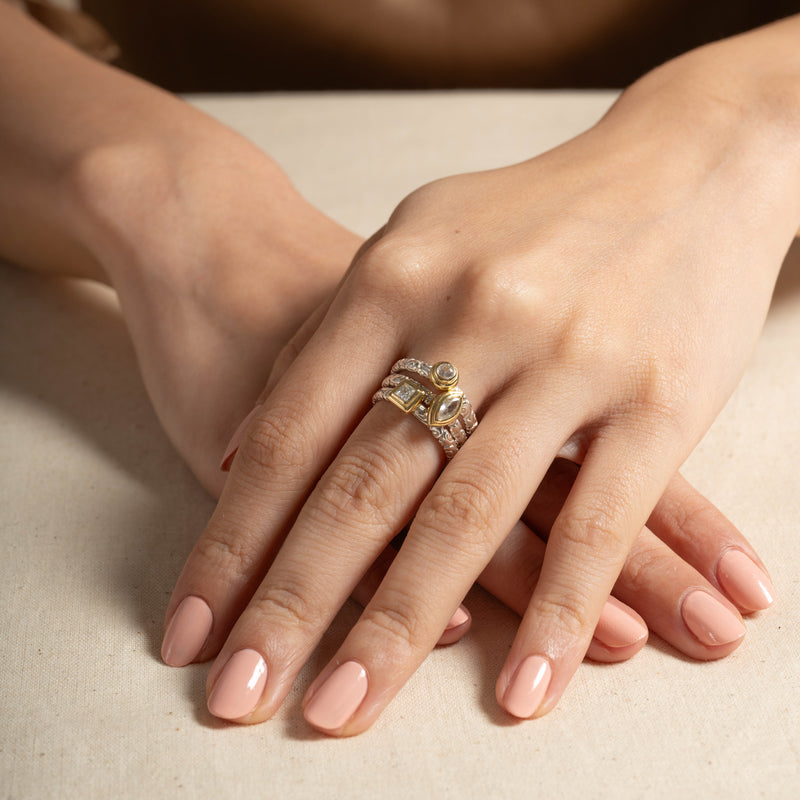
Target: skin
(621, 302)
(213, 281)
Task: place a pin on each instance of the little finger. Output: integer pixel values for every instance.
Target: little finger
(702, 535)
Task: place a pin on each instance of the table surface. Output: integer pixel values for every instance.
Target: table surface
(97, 514)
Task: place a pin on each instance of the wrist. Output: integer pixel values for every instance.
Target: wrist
(150, 203)
(734, 104)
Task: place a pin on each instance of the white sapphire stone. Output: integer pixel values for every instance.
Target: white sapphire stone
(445, 409)
(407, 395)
(444, 375)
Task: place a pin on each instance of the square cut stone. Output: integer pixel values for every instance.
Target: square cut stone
(407, 395)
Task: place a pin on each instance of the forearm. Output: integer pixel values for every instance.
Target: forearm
(56, 107)
(72, 132)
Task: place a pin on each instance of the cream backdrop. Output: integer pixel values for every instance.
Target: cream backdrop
(97, 514)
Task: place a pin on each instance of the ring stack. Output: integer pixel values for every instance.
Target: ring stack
(438, 403)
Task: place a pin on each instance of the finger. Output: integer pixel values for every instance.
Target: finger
(284, 360)
(618, 485)
(287, 357)
(189, 627)
(368, 494)
(695, 529)
(293, 348)
(458, 625)
(511, 577)
(288, 443)
(679, 604)
(470, 510)
(656, 581)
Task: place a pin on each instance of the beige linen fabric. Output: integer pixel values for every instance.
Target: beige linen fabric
(97, 514)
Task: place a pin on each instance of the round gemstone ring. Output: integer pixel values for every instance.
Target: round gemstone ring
(442, 408)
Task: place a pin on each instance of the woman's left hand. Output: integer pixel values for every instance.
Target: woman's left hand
(600, 300)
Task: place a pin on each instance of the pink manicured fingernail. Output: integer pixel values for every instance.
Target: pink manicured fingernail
(338, 698)
(710, 621)
(458, 619)
(236, 440)
(744, 581)
(456, 628)
(619, 626)
(187, 632)
(528, 686)
(240, 685)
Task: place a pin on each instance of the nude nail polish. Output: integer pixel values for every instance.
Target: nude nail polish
(458, 619)
(744, 581)
(619, 626)
(236, 440)
(456, 628)
(187, 632)
(711, 622)
(338, 698)
(239, 686)
(526, 691)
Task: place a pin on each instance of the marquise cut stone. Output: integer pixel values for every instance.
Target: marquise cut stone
(445, 409)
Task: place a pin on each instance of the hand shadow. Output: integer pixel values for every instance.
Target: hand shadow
(65, 356)
(788, 284)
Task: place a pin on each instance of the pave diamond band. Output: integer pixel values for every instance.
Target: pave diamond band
(443, 409)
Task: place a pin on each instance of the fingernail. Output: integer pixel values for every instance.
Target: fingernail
(455, 629)
(338, 698)
(710, 621)
(236, 440)
(744, 582)
(458, 619)
(187, 632)
(239, 686)
(527, 688)
(619, 626)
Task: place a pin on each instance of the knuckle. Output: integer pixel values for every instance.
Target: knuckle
(462, 514)
(567, 611)
(399, 630)
(285, 603)
(647, 562)
(596, 536)
(688, 522)
(275, 443)
(395, 266)
(355, 489)
(230, 554)
(493, 288)
(660, 391)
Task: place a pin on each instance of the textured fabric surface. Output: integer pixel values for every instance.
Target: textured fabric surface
(97, 514)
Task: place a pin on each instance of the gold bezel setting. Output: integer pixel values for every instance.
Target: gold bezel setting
(439, 405)
(407, 395)
(444, 375)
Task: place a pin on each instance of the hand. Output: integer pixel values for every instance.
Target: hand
(583, 308)
(239, 317)
(217, 261)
